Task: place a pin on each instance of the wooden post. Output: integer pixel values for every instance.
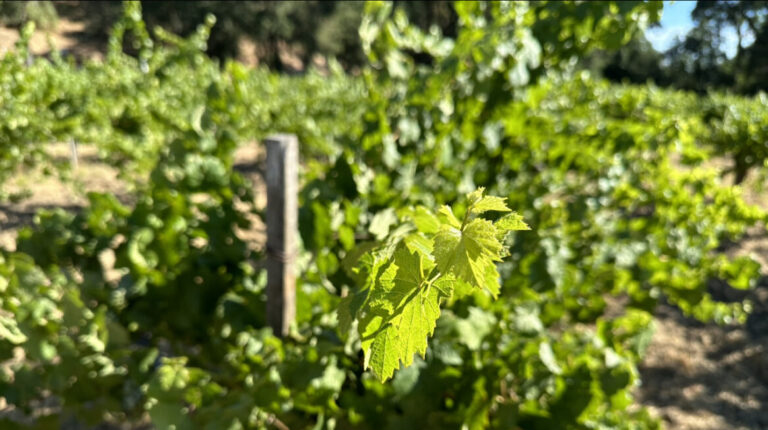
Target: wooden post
(282, 229)
(73, 152)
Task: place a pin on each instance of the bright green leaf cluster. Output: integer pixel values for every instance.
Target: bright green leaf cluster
(405, 280)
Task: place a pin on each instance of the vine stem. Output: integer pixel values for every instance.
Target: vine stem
(466, 216)
(432, 279)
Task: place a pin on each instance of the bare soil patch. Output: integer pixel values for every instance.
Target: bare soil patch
(702, 376)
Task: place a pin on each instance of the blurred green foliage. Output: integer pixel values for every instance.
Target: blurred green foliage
(608, 176)
(302, 29)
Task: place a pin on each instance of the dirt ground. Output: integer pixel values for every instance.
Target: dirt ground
(48, 192)
(701, 376)
(695, 376)
(706, 377)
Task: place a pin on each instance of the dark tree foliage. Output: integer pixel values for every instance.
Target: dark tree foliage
(744, 17)
(426, 14)
(637, 62)
(269, 23)
(705, 64)
(303, 28)
(753, 72)
(698, 61)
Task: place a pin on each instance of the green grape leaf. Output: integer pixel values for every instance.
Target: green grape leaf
(365, 273)
(492, 280)
(415, 267)
(478, 203)
(470, 253)
(403, 275)
(490, 203)
(475, 196)
(511, 222)
(349, 307)
(418, 243)
(446, 215)
(424, 220)
(413, 307)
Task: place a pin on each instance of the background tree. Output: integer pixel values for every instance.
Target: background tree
(15, 13)
(697, 62)
(637, 62)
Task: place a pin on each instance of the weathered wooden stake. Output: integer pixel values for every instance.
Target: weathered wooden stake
(73, 151)
(282, 229)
